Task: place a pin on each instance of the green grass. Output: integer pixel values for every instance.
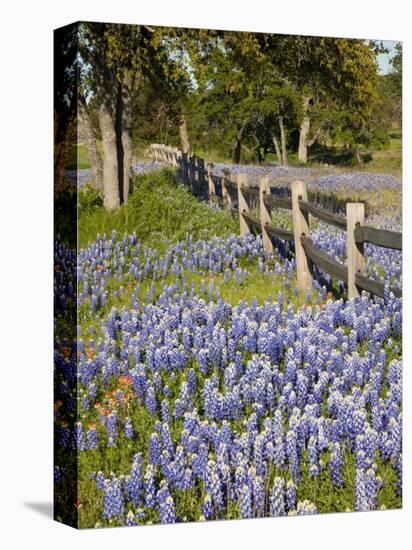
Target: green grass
(387, 161)
(161, 212)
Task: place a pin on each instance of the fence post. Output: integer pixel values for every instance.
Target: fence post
(355, 216)
(201, 178)
(210, 182)
(196, 175)
(265, 214)
(301, 227)
(242, 204)
(185, 168)
(192, 173)
(226, 198)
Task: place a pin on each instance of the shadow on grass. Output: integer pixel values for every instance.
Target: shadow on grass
(337, 156)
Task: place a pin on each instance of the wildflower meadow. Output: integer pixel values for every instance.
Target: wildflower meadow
(196, 378)
(208, 389)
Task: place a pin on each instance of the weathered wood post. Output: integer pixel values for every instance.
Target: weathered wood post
(192, 173)
(185, 168)
(226, 198)
(265, 214)
(210, 182)
(196, 175)
(201, 178)
(243, 204)
(301, 227)
(355, 216)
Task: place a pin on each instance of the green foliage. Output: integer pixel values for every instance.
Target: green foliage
(396, 74)
(89, 200)
(160, 211)
(232, 88)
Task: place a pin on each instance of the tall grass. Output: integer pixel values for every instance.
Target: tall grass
(160, 210)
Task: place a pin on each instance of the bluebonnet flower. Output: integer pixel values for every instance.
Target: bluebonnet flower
(128, 428)
(362, 503)
(79, 439)
(305, 508)
(245, 504)
(155, 448)
(290, 495)
(165, 504)
(258, 495)
(151, 402)
(313, 456)
(113, 498)
(91, 435)
(253, 385)
(111, 424)
(130, 518)
(213, 485)
(207, 507)
(277, 497)
(149, 486)
(292, 454)
(336, 463)
(133, 482)
(63, 436)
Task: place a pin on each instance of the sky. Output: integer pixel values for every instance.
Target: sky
(383, 59)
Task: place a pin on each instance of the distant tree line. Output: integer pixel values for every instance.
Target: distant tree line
(237, 94)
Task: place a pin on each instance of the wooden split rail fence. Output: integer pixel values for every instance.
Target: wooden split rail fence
(203, 183)
(165, 154)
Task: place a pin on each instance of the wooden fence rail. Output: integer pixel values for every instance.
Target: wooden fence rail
(323, 215)
(379, 237)
(236, 195)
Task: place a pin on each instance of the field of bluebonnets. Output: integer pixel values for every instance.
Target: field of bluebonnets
(208, 387)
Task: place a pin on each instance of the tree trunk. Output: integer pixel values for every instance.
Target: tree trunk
(277, 149)
(86, 134)
(237, 147)
(283, 142)
(236, 152)
(184, 136)
(126, 138)
(111, 196)
(304, 132)
(119, 142)
(258, 149)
